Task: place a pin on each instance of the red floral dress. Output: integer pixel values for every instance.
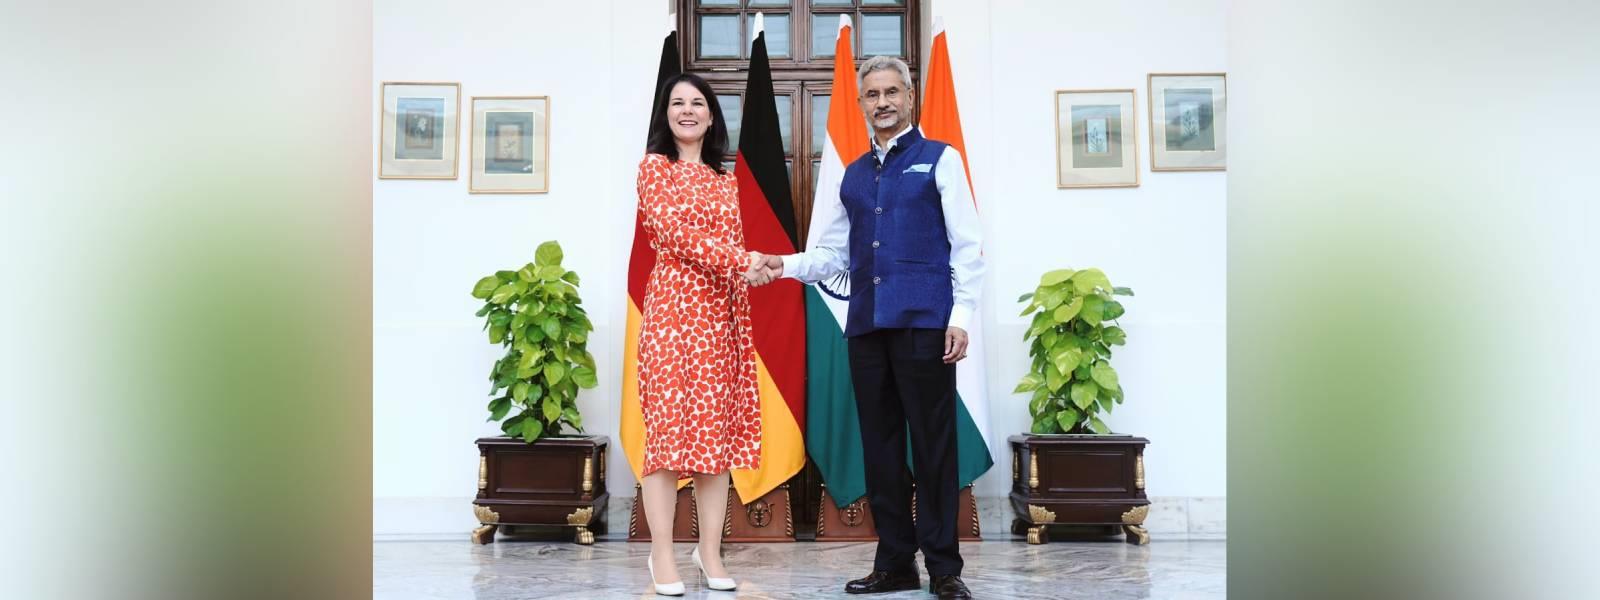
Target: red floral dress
(697, 361)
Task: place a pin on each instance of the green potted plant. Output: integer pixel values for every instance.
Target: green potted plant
(1069, 468)
(536, 315)
(536, 474)
(1074, 327)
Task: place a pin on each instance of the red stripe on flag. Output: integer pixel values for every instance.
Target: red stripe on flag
(640, 261)
(778, 309)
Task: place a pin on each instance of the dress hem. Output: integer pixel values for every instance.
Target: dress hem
(688, 472)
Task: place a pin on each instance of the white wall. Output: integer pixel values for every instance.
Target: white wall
(1166, 239)
(432, 240)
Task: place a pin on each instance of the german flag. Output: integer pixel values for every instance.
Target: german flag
(640, 262)
(777, 310)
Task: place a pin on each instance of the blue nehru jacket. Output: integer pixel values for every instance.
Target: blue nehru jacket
(899, 249)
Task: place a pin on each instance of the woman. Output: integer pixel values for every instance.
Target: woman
(697, 368)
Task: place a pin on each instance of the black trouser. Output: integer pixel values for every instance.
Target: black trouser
(902, 383)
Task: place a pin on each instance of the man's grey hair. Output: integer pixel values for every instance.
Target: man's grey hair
(883, 63)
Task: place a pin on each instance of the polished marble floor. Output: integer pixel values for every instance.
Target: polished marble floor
(1165, 569)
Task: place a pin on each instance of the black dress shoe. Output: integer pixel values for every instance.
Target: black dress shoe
(948, 587)
(884, 581)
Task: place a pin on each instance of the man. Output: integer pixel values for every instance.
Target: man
(908, 234)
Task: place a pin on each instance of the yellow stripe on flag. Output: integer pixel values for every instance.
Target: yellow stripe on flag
(631, 427)
(782, 448)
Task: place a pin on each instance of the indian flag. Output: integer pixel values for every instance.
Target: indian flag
(833, 436)
(942, 121)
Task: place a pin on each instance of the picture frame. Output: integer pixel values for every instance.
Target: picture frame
(1097, 141)
(510, 145)
(1188, 121)
(419, 129)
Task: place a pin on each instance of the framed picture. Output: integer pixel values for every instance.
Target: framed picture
(1097, 142)
(419, 123)
(1188, 121)
(510, 145)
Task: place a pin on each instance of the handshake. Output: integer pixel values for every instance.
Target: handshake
(763, 269)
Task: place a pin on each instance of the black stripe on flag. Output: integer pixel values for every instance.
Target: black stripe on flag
(671, 64)
(761, 141)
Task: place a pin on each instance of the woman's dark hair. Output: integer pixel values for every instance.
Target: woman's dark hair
(715, 143)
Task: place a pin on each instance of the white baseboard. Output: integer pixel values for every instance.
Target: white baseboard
(419, 517)
(450, 518)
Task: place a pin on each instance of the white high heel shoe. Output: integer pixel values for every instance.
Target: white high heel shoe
(720, 584)
(663, 589)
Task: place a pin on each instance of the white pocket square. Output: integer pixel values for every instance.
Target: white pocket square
(922, 168)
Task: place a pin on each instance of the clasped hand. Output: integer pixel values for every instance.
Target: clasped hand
(763, 269)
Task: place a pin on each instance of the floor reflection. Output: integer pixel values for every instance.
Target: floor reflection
(524, 568)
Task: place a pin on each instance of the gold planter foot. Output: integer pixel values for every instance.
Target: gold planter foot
(1136, 534)
(1037, 535)
(580, 519)
(484, 535)
(1040, 516)
(490, 521)
(1133, 525)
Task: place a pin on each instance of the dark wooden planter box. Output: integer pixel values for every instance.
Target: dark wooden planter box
(769, 518)
(853, 523)
(1094, 480)
(558, 481)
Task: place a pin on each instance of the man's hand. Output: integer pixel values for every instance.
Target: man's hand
(774, 267)
(955, 345)
(758, 274)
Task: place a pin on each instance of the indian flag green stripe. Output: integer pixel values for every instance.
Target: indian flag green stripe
(972, 451)
(835, 440)
(834, 434)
